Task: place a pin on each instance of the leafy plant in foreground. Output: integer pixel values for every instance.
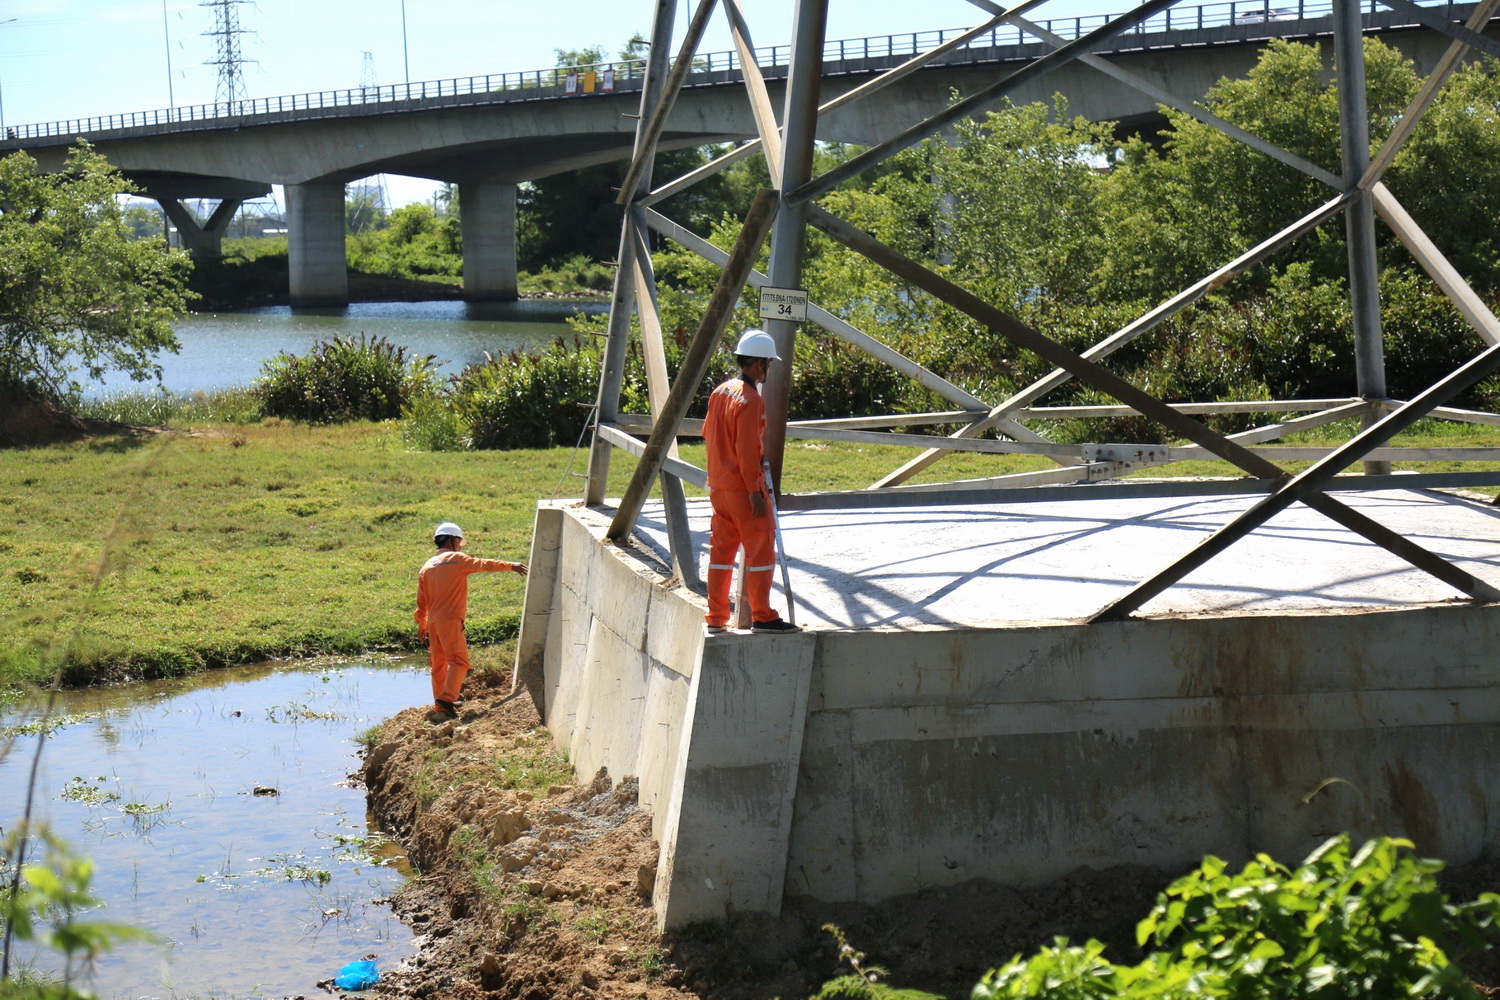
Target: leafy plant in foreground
(40, 903)
(1350, 924)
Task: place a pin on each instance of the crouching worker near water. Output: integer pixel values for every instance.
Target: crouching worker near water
(442, 603)
(738, 491)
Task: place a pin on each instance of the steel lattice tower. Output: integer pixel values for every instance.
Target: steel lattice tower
(227, 32)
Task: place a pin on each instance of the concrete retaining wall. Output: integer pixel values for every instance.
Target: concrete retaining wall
(935, 757)
(859, 765)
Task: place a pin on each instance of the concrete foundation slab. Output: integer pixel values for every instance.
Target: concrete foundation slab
(949, 716)
(1065, 560)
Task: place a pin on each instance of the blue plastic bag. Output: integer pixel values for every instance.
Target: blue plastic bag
(357, 976)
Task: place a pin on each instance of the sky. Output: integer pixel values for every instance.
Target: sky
(63, 59)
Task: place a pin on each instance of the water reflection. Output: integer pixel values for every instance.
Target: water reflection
(219, 815)
(220, 350)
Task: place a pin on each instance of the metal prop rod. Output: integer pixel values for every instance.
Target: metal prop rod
(617, 436)
(652, 348)
(786, 573)
(848, 333)
(948, 496)
(1034, 70)
(799, 118)
(1143, 325)
(1359, 218)
(1076, 452)
(755, 86)
(1313, 479)
(695, 362)
(1444, 274)
(612, 364)
(646, 138)
(1239, 406)
(1106, 381)
(674, 501)
(1467, 416)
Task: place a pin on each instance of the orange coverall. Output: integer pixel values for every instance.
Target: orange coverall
(442, 603)
(732, 432)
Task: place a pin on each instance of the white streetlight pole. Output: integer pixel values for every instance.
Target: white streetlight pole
(166, 31)
(9, 20)
(405, 55)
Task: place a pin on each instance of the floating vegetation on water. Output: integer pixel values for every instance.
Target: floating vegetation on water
(373, 849)
(296, 711)
(45, 726)
(79, 790)
(146, 816)
(286, 867)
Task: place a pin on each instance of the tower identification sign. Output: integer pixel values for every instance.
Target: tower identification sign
(784, 303)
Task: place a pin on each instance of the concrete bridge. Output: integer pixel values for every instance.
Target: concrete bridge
(487, 134)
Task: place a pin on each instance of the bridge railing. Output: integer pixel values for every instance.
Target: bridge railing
(840, 55)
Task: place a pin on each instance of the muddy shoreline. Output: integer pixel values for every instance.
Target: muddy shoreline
(546, 895)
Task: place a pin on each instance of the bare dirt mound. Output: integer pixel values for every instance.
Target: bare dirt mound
(528, 891)
(521, 894)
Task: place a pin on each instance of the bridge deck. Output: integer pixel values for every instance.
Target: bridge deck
(1225, 23)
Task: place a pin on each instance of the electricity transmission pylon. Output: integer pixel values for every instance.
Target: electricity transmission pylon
(226, 33)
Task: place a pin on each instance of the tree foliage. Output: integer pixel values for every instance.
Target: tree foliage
(413, 242)
(78, 295)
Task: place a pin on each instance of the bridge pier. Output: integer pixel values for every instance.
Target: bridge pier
(317, 265)
(487, 214)
(205, 239)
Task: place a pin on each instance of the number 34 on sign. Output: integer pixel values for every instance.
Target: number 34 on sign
(784, 303)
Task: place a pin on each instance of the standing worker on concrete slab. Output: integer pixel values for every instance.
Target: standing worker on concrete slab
(442, 604)
(738, 490)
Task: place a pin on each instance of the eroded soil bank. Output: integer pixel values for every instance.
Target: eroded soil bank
(534, 891)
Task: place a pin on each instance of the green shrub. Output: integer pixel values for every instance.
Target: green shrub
(344, 379)
(529, 400)
(433, 423)
(1346, 925)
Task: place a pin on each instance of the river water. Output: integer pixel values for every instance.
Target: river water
(221, 350)
(250, 894)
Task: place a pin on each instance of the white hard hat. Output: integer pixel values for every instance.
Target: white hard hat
(447, 528)
(757, 344)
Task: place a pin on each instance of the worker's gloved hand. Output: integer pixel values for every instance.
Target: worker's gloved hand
(521, 568)
(758, 504)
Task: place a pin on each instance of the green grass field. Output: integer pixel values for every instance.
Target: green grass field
(220, 543)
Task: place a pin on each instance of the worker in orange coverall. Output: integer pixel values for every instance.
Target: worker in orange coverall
(442, 603)
(738, 491)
